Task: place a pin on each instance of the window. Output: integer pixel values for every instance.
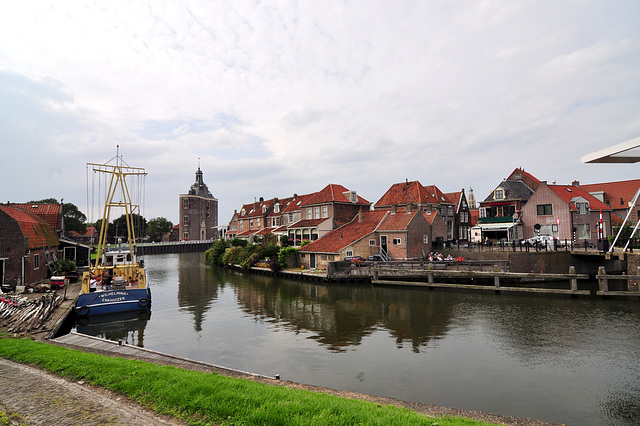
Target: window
(450, 211)
(349, 253)
(185, 221)
(584, 231)
(274, 222)
(36, 261)
(276, 208)
(443, 210)
(325, 211)
(208, 205)
(185, 236)
(316, 212)
(185, 203)
(372, 242)
(258, 222)
(290, 217)
(450, 229)
(397, 241)
(425, 239)
(250, 223)
(309, 213)
(544, 210)
(482, 212)
(498, 194)
(583, 208)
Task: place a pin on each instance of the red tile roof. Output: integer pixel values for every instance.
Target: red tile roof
(402, 194)
(347, 234)
(50, 213)
(308, 223)
(437, 194)
(430, 216)
(521, 171)
(617, 194)
(332, 193)
(39, 232)
(454, 197)
(265, 231)
(296, 203)
(569, 192)
(398, 221)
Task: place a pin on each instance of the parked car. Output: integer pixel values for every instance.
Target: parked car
(540, 241)
(354, 258)
(375, 258)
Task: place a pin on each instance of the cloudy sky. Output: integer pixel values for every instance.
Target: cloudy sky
(280, 97)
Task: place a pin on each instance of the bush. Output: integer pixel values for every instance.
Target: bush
(239, 242)
(232, 256)
(268, 251)
(250, 261)
(63, 265)
(286, 253)
(274, 264)
(214, 255)
(284, 241)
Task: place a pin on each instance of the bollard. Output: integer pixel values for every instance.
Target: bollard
(602, 280)
(573, 281)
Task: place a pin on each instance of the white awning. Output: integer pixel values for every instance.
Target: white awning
(502, 226)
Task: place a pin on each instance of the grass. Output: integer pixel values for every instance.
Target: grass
(204, 398)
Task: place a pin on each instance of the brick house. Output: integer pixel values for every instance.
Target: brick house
(401, 234)
(618, 196)
(27, 245)
(462, 215)
(198, 212)
(500, 214)
(562, 210)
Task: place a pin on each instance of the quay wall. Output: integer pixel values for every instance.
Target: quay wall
(175, 247)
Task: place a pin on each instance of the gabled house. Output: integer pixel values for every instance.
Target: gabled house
(397, 235)
(500, 214)
(566, 212)
(27, 245)
(327, 209)
(49, 212)
(618, 196)
(462, 215)
(405, 194)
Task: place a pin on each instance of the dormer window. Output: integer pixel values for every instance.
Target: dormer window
(276, 208)
(583, 208)
(264, 209)
(498, 194)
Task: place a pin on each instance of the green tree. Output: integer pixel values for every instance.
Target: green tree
(157, 227)
(118, 228)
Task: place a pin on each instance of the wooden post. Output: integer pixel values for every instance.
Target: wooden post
(496, 281)
(573, 280)
(430, 277)
(602, 280)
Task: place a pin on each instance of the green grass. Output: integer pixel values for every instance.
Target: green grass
(204, 398)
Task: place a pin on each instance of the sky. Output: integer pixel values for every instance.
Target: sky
(272, 98)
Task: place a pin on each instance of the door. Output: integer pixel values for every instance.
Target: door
(383, 246)
(312, 260)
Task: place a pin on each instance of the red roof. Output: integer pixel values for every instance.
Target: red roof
(347, 234)
(617, 194)
(50, 213)
(296, 203)
(39, 232)
(569, 192)
(264, 231)
(430, 216)
(308, 223)
(437, 194)
(332, 193)
(521, 171)
(402, 194)
(454, 197)
(398, 221)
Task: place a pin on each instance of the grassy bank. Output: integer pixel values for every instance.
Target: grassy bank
(203, 398)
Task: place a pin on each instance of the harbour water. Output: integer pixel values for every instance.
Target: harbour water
(562, 360)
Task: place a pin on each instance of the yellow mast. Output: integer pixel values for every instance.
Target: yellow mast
(117, 185)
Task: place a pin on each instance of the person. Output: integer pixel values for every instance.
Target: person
(93, 283)
(107, 279)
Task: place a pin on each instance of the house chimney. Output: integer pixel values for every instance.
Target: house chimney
(393, 209)
(575, 183)
(360, 215)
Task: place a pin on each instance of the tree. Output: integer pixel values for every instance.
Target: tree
(74, 219)
(118, 228)
(157, 227)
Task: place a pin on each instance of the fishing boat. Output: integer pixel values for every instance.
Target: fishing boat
(116, 282)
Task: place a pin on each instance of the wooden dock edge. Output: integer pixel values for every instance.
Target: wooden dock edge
(484, 287)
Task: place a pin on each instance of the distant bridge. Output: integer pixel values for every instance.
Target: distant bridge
(175, 247)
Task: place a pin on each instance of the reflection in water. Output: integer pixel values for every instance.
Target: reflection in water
(555, 359)
(126, 327)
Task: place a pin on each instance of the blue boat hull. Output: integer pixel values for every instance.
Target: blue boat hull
(113, 301)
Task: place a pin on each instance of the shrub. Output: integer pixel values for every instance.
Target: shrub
(63, 265)
(214, 255)
(239, 242)
(286, 253)
(232, 256)
(250, 261)
(268, 251)
(285, 241)
(274, 264)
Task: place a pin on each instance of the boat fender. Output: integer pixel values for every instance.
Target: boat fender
(83, 311)
(143, 302)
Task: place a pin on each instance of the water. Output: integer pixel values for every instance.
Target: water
(561, 360)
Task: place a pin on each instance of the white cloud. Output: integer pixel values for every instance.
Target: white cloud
(287, 97)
